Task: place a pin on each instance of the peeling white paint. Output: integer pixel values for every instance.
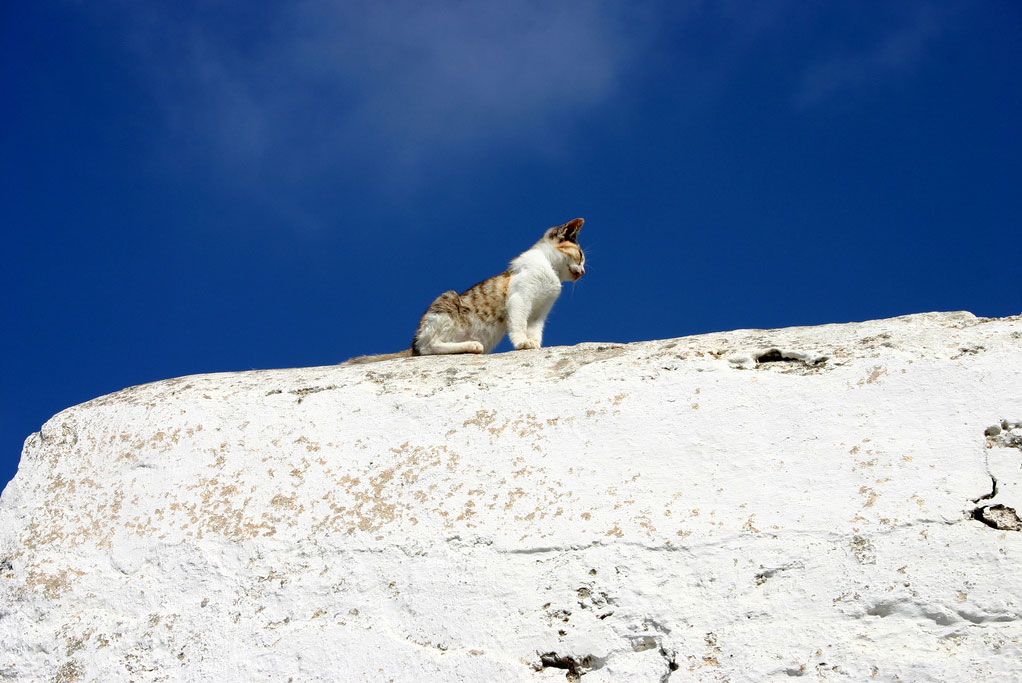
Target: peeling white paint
(736, 506)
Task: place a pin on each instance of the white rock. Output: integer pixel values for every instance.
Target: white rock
(737, 506)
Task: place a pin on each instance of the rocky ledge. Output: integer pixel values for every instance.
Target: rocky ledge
(835, 502)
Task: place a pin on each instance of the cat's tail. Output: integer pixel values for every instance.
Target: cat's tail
(360, 360)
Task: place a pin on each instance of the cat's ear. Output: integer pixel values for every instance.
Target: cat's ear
(569, 231)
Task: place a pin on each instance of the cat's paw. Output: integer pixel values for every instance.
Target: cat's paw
(474, 347)
(528, 344)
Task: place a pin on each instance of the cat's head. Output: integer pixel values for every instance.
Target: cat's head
(570, 259)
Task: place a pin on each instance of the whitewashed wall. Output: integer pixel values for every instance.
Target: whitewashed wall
(740, 506)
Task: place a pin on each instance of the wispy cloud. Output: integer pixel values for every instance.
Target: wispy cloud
(381, 83)
(897, 53)
(285, 99)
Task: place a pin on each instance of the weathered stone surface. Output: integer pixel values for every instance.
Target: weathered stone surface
(830, 502)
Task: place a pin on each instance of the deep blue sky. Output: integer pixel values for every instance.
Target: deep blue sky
(195, 187)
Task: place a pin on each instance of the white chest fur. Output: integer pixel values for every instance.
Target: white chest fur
(534, 281)
(533, 289)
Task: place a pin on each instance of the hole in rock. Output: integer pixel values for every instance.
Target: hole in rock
(575, 666)
(779, 356)
(998, 517)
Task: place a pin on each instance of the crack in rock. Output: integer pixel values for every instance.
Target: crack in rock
(761, 577)
(999, 516)
(993, 491)
(302, 393)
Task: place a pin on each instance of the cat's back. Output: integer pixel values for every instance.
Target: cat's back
(484, 302)
(449, 304)
(487, 300)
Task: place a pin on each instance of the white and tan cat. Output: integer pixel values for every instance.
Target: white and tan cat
(515, 303)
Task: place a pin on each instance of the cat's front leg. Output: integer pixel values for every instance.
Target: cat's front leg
(535, 327)
(517, 324)
(521, 340)
(535, 333)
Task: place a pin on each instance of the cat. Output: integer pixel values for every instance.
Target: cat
(515, 303)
